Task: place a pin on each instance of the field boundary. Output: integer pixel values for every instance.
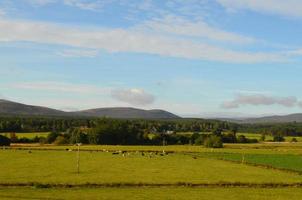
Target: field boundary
(137, 185)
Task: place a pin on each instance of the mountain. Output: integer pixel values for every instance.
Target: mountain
(270, 119)
(13, 108)
(124, 112)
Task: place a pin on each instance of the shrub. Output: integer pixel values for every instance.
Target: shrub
(213, 141)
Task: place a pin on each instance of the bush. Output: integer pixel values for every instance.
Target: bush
(279, 138)
(229, 138)
(4, 141)
(213, 141)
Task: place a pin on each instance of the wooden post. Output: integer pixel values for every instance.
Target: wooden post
(78, 158)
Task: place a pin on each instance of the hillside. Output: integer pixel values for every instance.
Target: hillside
(120, 112)
(13, 108)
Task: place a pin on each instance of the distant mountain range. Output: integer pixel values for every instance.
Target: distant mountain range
(268, 119)
(14, 108)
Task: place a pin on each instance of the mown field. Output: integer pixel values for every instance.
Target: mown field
(269, 171)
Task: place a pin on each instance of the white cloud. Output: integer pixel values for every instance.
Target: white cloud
(86, 5)
(137, 97)
(258, 100)
(92, 5)
(61, 87)
(41, 2)
(182, 27)
(291, 8)
(123, 40)
(78, 53)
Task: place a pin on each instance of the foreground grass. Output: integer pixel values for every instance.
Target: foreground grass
(99, 167)
(152, 193)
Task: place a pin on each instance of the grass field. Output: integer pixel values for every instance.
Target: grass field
(186, 172)
(60, 167)
(153, 193)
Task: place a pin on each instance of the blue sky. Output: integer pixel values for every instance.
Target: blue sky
(194, 58)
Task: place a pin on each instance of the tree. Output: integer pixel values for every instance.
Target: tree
(77, 136)
(217, 131)
(4, 141)
(60, 140)
(279, 138)
(13, 137)
(213, 141)
(51, 137)
(262, 138)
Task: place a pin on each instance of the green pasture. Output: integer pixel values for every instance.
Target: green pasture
(152, 193)
(280, 161)
(103, 167)
(258, 148)
(268, 137)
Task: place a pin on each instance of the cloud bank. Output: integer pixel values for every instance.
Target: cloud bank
(290, 8)
(260, 100)
(128, 40)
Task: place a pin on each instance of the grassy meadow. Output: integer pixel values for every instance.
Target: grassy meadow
(269, 171)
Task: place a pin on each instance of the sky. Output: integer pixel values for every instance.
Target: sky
(197, 58)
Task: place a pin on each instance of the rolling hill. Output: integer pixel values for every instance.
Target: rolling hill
(14, 108)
